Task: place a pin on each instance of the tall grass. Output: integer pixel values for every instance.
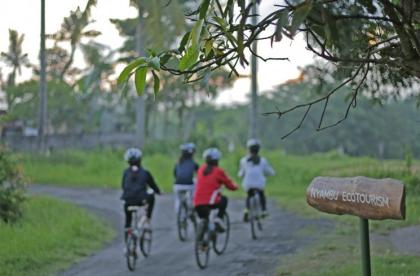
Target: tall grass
(103, 168)
(50, 236)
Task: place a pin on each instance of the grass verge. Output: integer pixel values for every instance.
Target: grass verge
(50, 236)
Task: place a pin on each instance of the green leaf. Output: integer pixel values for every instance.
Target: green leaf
(155, 63)
(203, 8)
(299, 15)
(195, 32)
(283, 21)
(125, 73)
(140, 80)
(189, 58)
(208, 46)
(156, 83)
(184, 42)
(165, 58)
(330, 29)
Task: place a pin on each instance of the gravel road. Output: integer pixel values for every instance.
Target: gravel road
(244, 256)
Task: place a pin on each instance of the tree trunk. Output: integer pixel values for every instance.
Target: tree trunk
(253, 119)
(68, 63)
(42, 125)
(140, 103)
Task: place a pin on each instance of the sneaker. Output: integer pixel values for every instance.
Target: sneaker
(246, 216)
(220, 225)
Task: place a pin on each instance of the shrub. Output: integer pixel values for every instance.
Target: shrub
(11, 187)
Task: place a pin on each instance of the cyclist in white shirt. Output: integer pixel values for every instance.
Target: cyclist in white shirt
(253, 169)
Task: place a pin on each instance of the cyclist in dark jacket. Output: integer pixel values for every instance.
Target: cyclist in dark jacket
(135, 184)
(184, 172)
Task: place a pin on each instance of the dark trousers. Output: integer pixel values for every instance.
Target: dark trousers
(203, 211)
(149, 200)
(251, 192)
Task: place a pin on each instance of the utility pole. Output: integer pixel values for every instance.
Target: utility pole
(253, 115)
(140, 102)
(42, 115)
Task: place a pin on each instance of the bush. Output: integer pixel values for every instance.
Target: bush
(11, 187)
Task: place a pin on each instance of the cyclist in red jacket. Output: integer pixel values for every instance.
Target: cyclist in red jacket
(207, 195)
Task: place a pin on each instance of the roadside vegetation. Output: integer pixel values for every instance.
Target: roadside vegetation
(50, 236)
(340, 256)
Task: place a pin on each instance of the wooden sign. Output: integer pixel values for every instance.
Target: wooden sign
(360, 196)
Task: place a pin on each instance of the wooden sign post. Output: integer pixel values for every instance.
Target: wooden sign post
(364, 197)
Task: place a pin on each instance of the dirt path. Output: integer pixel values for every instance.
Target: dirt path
(282, 235)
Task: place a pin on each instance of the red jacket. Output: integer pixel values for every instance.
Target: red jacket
(207, 187)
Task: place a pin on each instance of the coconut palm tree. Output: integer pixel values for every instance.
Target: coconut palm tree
(14, 57)
(73, 30)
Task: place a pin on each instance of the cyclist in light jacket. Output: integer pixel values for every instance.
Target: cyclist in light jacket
(253, 169)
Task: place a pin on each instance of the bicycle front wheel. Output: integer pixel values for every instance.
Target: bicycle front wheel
(202, 246)
(182, 222)
(131, 255)
(221, 240)
(146, 242)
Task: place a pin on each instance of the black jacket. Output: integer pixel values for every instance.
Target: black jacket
(135, 184)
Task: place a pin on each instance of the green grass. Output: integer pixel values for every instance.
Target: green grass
(50, 236)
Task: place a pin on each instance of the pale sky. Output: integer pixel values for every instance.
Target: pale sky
(24, 16)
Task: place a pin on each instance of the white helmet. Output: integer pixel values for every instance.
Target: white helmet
(188, 147)
(132, 153)
(253, 142)
(212, 153)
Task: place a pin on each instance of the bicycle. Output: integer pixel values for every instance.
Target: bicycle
(206, 235)
(141, 233)
(185, 213)
(255, 214)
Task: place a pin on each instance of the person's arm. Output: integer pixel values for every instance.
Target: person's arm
(223, 178)
(196, 166)
(152, 184)
(268, 170)
(175, 171)
(241, 172)
(123, 180)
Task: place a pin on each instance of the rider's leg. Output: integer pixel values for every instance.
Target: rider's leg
(263, 200)
(222, 205)
(203, 212)
(128, 219)
(177, 198)
(150, 204)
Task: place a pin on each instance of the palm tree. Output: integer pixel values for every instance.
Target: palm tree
(73, 30)
(15, 58)
(156, 26)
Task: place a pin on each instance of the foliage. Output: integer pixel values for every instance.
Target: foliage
(73, 31)
(11, 188)
(66, 108)
(51, 236)
(369, 46)
(15, 58)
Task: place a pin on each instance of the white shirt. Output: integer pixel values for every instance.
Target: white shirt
(254, 174)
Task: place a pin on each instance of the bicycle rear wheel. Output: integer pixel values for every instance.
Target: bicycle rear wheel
(131, 255)
(146, 242)
(202, 246)
(221, 240)
(182, 222)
